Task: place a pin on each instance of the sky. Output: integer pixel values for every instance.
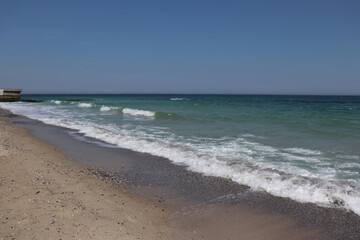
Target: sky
(150, 46)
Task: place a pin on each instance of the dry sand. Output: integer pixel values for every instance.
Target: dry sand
(43, 195)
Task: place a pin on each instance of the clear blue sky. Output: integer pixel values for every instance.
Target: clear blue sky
(251, 47)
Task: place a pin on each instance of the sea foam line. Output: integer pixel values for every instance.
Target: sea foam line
(56, 101)
(178, 99)
(85, 105)
(303, 151)
(106, 108)
(329, 193)
(137, 112)
(324, 193)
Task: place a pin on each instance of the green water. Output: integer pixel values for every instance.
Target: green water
(303, 147)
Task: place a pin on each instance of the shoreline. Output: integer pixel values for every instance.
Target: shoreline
(45, 195)
(181, 192)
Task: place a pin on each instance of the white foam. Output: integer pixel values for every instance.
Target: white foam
(136, 112)
(299, 188)
(56, 101)
(296, 187)
(106, 108)
(303, 151)
(348, 165)
(178, 99)
(292, 157)
(85, 105)
(348, 157)
(237, 159)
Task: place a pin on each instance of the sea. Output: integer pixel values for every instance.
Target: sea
(306, 148)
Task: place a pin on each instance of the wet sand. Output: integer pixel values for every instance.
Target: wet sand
(179, 204)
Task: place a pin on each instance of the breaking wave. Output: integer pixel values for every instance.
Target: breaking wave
(85, 105)
(106, 108)
(240, 159)
(56, 101)
(137, 112)
(303, 151)
(178, 99)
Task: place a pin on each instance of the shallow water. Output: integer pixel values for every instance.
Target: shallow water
(302, 147)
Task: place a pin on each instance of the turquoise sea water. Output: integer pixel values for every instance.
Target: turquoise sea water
(303, 147)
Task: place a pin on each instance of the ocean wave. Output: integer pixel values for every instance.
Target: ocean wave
(328, 193)
(137, 112)
(348, 157)
(238, 159)
(351, 165)
(106, 108)
(85, 105)
(303, 151)
(179, 99)
(56, 101)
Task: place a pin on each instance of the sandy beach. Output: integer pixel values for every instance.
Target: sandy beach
(179, 120)
(45, 194)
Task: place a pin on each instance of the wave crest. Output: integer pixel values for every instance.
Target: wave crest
(137, 112)
(106, 108)
(178, 99)
(213, 158)
(56, 102)
(85, 105)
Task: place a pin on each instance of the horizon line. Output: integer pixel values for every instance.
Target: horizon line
(249, 94)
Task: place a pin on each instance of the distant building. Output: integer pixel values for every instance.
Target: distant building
(9, 95)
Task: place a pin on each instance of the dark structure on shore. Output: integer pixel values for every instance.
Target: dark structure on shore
(9, 94)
